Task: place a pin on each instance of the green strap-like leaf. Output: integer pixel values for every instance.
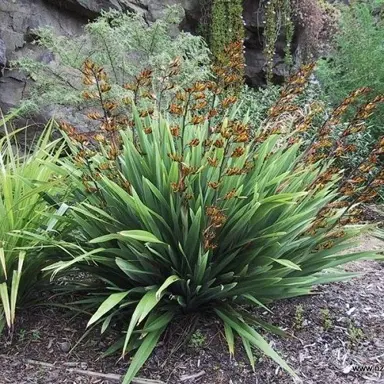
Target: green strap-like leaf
(158, 322)
(135, 272)
(4, 297)
(15, 285)
(2, 262)
(107, 305)
(244, 330)
(248, 350)
(141, 236)
(287, 263)
(255, 301)
(106, 322)
(133, 235)
(147, 346)
(171, 279)
(230, 339)
(143, 308)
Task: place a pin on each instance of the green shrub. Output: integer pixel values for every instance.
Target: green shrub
(196, 215)
(357, 58)
(257, 102)
(123, 44)
(25, 180)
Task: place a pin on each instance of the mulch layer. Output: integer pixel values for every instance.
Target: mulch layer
(336, 331)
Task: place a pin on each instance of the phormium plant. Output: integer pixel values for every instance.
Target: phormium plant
(194, 212)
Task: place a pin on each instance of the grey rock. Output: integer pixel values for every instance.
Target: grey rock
(3, 54)
(18, 20)
(46, 57)
(65, 346)
(90, 8)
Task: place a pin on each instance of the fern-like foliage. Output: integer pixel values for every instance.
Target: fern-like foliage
(124, 44)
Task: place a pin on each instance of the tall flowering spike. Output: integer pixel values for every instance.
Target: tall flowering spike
(229, 70)
(364, 112)
(348, 101)
(296, 82)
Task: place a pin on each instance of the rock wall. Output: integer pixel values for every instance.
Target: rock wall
(18, 19)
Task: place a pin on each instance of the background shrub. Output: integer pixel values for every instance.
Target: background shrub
(257, 102)
(357, 59)
(124, 44)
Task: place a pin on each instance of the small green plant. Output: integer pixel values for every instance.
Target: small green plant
(26, 182)
(355, 334)
(36, 335)
(198, 340)
(278, 15)
(221, 24)
(256, 103)
(299, 317)
(326, 320)
(226, 25)
(21, 334)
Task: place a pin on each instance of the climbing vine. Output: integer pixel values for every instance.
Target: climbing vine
(227, 25)
(289, 31)
(278, 16)
(205, 19)
(221, 24)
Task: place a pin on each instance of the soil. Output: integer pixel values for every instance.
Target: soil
(338, 328)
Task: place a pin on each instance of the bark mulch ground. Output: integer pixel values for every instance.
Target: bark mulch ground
(337, 329)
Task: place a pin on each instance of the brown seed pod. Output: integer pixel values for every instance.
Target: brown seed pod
(194, 142)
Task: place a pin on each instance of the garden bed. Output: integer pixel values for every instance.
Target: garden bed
(334, 330)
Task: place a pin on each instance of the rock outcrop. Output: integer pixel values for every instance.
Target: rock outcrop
(18, 19)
